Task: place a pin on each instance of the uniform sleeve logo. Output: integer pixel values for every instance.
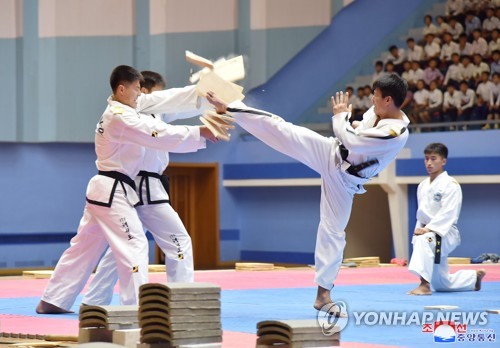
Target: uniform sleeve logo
(135, 269)
(154, 134)
(117, 110)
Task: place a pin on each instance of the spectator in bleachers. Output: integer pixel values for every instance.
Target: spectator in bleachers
(367, 99)
(454, 72)
(397, 56)
(479, 44)
(451, 103)
(494, 103)
(485, 87)
(476, 6)
(479, 67)
(416, 74)
(415, 52)
(358, 104)
(379, 70)
(442, 26)
(431, 48)
(407, 103)
(447, 49)
(456, 28)
(420, 102)
(490, 22)
(464, 46)
(454, 8)
(471, 22)
(429, 27)
(407, 73)
(432, 73)
(467, 103)
(467, 69)
(390, 68)
(480, 112)
(433, 113)
(494, 43)
(495, 63)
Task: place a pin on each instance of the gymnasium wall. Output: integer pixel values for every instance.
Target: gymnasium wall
(56, 67)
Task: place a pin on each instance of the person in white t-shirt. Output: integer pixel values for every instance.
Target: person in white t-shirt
(455, 28)
(451, 103)
(429, 28)
(435, 103)
(420, 103)
(494, 103)
(454, 72)
(467, 69)
(494, 43)
(431, 48)
(414, 52)
(479, 44)
(467, 102)
(379, 70)
(447, 49)
(464, 46)
(479, 67)
(490, 22)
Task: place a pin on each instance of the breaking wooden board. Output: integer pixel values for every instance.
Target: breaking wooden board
(224, 90)
(458, 260)
(171, 327)
(154, 312)
(39, 344)
(440, 307)
(156, 268)
(231, 70)
(253, 266)
(45, 274)
(217, 131)
(186, 288)
(198, 60)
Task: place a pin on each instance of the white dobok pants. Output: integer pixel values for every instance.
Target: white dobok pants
(171, 236)
(422, 263)
(120, 227)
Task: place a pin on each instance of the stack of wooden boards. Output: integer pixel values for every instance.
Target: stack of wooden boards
(295, 334)
(109, 317)
(179, 314)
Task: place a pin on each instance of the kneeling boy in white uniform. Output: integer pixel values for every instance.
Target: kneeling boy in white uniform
(436, 234)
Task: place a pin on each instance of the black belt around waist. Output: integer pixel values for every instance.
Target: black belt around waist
(118, 176)
(165, 181)
(354, 170)
(437, 254)
(152, 174)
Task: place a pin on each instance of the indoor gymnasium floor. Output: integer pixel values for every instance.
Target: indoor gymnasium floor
(249, 297)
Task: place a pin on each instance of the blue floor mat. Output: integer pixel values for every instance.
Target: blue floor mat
(243, 309)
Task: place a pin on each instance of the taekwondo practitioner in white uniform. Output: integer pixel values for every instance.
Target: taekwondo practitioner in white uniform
(109, 217)
(155, 213)
(436, 234)
(345, 162)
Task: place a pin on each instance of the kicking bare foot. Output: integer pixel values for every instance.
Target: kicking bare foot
(480, 275)
(422, 289)
(47, 308)
(322, 298)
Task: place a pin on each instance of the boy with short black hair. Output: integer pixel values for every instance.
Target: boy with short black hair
(436, 234)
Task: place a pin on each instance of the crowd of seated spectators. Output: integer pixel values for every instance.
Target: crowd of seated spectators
(454, 72)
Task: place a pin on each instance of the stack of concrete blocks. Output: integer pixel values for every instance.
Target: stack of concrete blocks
(116, 324)
(296, 334)
(180, 315)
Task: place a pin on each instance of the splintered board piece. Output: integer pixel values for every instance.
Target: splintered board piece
(253, 266)
(40, 274)
(198, 60)
(217, 131)
(226, 91)
(229, 120)
(440, 307)
(231, 70)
